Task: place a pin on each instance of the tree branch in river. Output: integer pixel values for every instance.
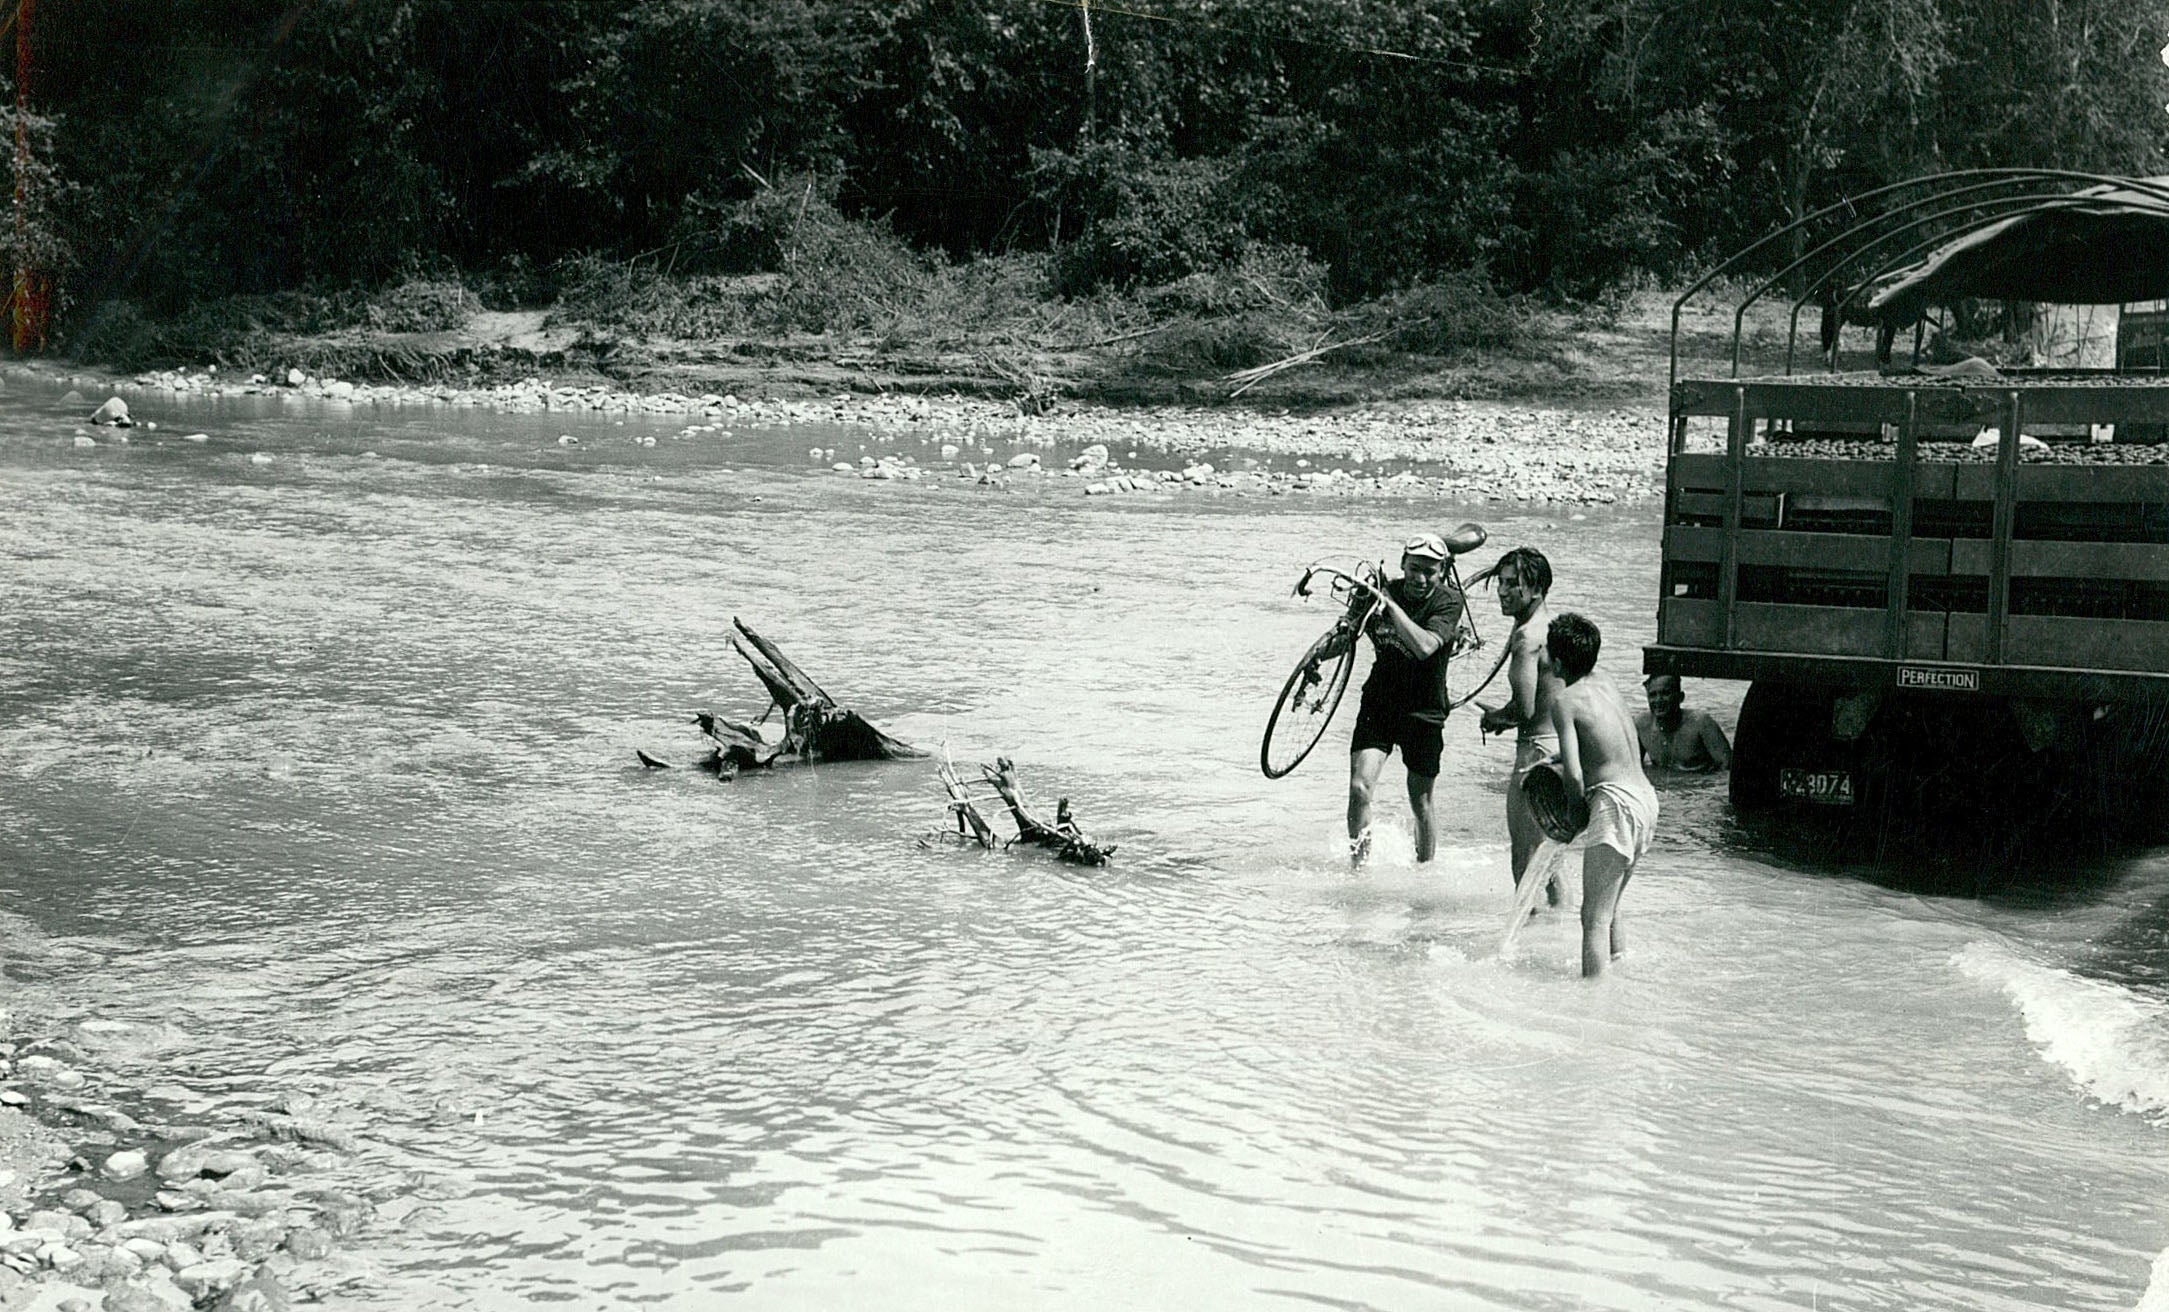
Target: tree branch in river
(814, 727)
(1064, 838)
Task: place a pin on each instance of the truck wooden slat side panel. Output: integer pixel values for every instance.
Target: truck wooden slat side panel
(1814, 630)
(2090, 560)
(2145, 484)
(2083, 641)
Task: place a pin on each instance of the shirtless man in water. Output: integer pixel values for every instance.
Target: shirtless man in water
(1524, 581)
(1674, 738)
(1602, 762)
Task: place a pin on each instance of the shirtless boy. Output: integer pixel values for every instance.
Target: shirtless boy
(1524, 581)
(1675, 738)
(1602, 763)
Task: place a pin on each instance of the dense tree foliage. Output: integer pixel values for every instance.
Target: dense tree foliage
(190, 148)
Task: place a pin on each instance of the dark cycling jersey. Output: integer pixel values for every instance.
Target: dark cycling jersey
(1400, 683)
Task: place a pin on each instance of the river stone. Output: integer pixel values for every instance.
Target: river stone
(153, 1293)
(233, 1163)
(253, 1241)
(146, 1250)
(121, 1263)
(180, 1253)
(126, 1165)
(1023, 460)
(308, 1243)
(62, 1296)
(114, 411)
(247, 1202)
(107, 1212)
(50, 1223)
(203, 1280)
(72, 397)
(182, 1163)
(167, 1229)
(261, 1292)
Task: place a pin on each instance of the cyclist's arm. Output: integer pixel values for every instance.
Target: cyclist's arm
(1420, 642)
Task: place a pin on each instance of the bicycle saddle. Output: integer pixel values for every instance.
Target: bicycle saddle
(1465, 539)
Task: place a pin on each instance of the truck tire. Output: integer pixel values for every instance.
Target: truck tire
(1787, 726)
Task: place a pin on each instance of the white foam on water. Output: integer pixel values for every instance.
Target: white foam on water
(2112, 1042)
(2156, 1297)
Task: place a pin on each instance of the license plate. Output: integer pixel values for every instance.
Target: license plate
(1824, 787)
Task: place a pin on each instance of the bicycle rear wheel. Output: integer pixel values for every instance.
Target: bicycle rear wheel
(1307, 703)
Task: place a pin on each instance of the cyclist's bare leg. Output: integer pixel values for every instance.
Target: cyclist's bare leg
(1363, 770)
(1419, 801)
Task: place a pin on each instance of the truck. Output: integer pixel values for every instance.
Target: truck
(1944, 580)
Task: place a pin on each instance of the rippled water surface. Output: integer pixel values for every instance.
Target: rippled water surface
(326, 761)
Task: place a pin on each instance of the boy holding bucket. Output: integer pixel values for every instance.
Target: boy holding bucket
(1600, 757)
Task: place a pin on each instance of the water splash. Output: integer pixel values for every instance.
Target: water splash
(2113, 1043)
(1543, 867)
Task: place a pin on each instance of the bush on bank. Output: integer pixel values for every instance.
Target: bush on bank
(788, 265)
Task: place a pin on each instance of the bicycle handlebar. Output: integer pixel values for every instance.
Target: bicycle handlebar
(1302, 585)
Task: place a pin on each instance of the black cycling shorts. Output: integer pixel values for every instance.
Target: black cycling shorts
(1422, 742)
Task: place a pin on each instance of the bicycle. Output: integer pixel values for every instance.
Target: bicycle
(1315, 687)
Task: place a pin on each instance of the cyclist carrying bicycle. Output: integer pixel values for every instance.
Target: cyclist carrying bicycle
(1416, 632)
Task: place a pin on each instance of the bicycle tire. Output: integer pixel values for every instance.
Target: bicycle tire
(1299, 719)
(1456, 661)
(1456, 703)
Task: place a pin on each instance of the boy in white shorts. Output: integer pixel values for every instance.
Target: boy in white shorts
(1601, 757)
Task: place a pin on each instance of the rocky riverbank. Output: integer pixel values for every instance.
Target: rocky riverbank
(1464, 450)
(128, 1195)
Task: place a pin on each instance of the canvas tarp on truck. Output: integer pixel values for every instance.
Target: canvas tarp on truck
(2102, 245)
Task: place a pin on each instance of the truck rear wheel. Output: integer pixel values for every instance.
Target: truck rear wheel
(1785, 754)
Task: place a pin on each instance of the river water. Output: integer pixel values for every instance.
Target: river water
(325, 762)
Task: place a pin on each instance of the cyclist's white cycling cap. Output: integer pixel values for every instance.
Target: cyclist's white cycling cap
(1428, 546)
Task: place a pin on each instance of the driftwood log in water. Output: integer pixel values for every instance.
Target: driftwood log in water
(814, 727)
(1063, 837)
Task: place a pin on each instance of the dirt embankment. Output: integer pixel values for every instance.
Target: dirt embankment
(1564, 358)
(1577, 421)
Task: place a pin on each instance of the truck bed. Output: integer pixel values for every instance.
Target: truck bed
(1844, 526)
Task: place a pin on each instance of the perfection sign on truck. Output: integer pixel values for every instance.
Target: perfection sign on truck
(1944, 680)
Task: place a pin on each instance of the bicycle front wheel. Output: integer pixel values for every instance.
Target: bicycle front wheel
(1306, 705)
